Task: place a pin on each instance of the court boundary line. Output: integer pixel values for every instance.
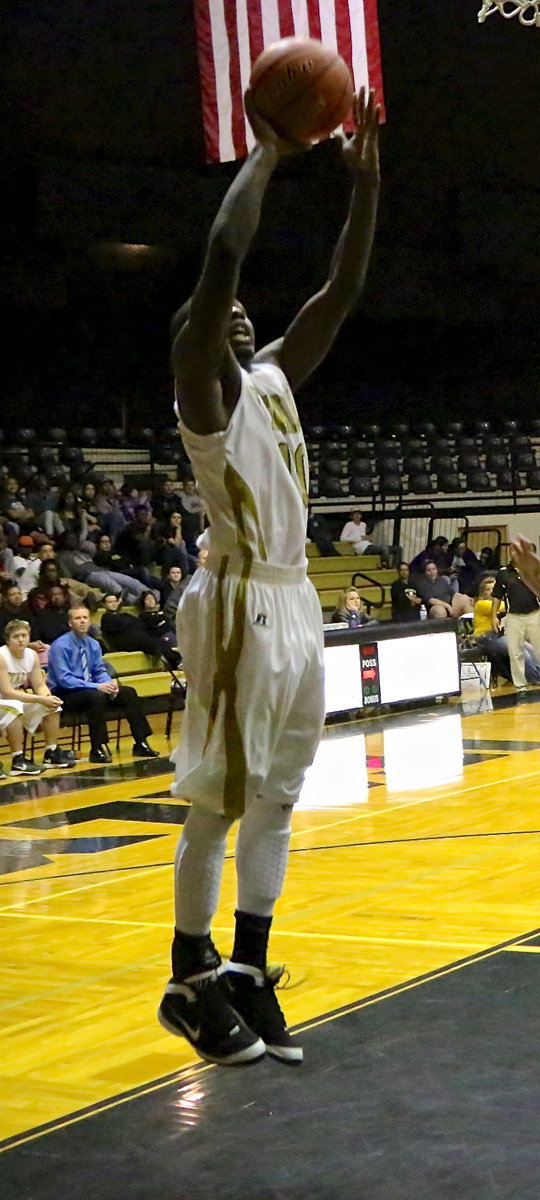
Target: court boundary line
(190, 1072)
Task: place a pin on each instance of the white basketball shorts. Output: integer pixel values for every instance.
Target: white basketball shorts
(32, 714)
(252, 652)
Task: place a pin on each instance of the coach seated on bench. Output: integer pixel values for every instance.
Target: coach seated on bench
(77, 674)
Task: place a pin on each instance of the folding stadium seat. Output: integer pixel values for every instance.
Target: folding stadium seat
(452, 429)
(533, 478)
(469, 460)
(466, 442)
(388, 445)
(57, 435)
(361, 466)
(333, 447)
(481, 428)
(448, 481)
(343, 431)
(360, 447)
(89, 437)
(332, 485)
(534, 427)
(361, 485)
(414, 445)
(425, 428)
(399, 429)
(315, 432)
(510, 427)
(24, 437)
(523, 460)
(494, 441)
(496, 460)
(391, 484)
(442, 464)
(440, 445)
(388, 465)
(116, 436)
(420, 483)
(371, 432)
(508, 480)
(414, 464)
(333, 466)
(478, 480)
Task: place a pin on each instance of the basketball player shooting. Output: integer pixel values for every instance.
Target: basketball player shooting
(249, 623)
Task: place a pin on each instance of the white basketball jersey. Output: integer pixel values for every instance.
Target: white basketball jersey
(19, 669)
(253, 475)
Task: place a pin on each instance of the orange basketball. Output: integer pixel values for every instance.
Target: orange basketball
(301, 88)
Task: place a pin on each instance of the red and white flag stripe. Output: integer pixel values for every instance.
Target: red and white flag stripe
(232, 33)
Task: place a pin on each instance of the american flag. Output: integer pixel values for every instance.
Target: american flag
(232, 33)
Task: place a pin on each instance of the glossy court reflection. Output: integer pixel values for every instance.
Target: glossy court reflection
(415, 846)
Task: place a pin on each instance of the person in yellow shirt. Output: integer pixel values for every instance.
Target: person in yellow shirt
(494, 645)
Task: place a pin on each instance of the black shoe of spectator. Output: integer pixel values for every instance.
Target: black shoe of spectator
(143, 750)
(100, 754)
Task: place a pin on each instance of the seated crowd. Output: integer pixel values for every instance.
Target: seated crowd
(63, 556)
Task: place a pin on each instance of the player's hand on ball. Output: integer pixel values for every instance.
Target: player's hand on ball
(361, 151)
(266, 134)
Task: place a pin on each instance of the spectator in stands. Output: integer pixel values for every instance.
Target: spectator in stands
(26, 564)
(72, 518)
(436, 551)
(79, 565)
(26, 702)
(351, 608)
(50, 610)
(319, 531)
(436, 593)
(522, 621)
(7, 568)
(107, 558)
(464, 568)
(90, 509)
(406, 602)
(131, 498)
(489, 559)
(153, 618)
(13, 505)
(192, 512)
(111, 517)
(50, 573)
(123, 631)
(138, 546)
(173, 550)
(164, 501)
(76, 673)
(14, 607)
(355, 532)
(42, 502)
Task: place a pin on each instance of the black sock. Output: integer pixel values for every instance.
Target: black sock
(191, 954)
(251, 939)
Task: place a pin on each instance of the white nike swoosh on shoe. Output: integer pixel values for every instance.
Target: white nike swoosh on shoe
(193, 1033)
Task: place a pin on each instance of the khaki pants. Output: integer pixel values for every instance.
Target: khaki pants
(521, 627)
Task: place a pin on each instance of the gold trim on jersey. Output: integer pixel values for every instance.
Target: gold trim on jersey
(242, 499)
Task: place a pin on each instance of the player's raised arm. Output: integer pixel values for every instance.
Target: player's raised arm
(206, 372)
(313, 330)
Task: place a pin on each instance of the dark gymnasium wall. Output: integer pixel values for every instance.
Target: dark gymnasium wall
(101, 142)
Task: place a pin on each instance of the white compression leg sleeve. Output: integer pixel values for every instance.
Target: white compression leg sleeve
(198, 867)
(262, 849)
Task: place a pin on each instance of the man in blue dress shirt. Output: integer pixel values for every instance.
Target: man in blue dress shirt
(76, 672)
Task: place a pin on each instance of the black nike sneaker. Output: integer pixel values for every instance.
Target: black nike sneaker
(253, 994)
(199, 1009)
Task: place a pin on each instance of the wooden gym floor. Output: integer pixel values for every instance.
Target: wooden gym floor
(409, 926)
